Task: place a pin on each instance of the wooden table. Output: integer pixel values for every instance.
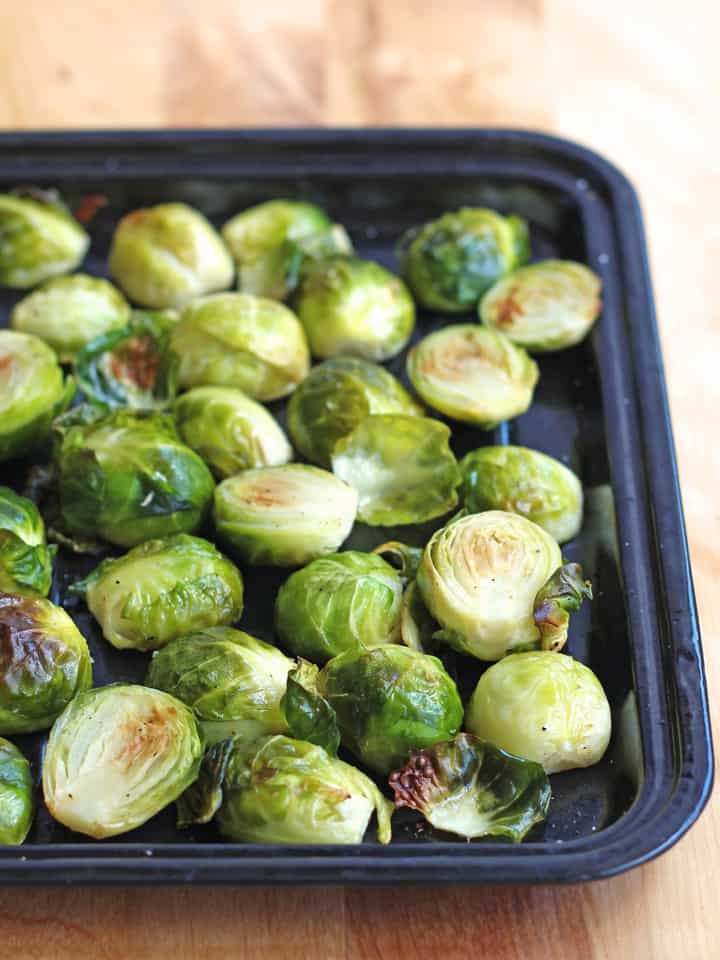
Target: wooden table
(636, 79)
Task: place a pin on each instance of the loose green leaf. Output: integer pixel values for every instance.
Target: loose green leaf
(563, 593)
(474, 789)
(308, 714)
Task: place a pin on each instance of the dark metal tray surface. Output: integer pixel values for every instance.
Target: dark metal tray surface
(600, 407)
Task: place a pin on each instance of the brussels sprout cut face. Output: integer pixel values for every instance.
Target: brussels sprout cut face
(39, 239)
(68, 312)
(546, 306)
(473, 374)
(271, 240)
(16, 795)
(25, 558)
(126, 477)
(32, 392)
(131, 367)
(389, 701)
(279, 790)
(238, 340)
(338, 602)
(402, 468)
(162, 589)
(544, 706)
(284, 516)
(44, 663)
(526, 482)
(479, 577)
(450, 262)
(166, 256)
(233, 682)
(117, 756)
(230, 431)
(356, 307)
(335, 397)
(473, 789)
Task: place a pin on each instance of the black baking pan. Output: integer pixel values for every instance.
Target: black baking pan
(601, 407)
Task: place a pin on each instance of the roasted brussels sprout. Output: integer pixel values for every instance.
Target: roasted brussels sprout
(450, 262)
(32, 392)
(473, 789)
(544, 706)
(270, 241)
(230, 431)
(356, 307)
(39, 238)
(284, 516)
(167, 255)
(526, 482)
(132, 367)
(402, 468)
(126, 477)
(472, 373)
(307, 713)
(335, 396)
(25, 558)
(238, 340)
(338, 602)
(116, 756)
(161, 590)
(545, 306)
(390, 700)
(44, 663)
(480, 575)
(279, 790)
(16, 795)
(68, 312)
(232, 681)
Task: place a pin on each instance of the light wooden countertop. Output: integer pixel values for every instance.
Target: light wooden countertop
(636, 79)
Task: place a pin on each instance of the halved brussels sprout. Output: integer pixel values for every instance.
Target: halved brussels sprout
(238, 340)
(544, 706)
(116, 756)
(337, 395)
(44, 663)
(451, 261)
(232, 681)
(356, 307)
(230, 431)
(473, 374)
(68, 312)
(284, 516)
(270, 241)
(473, 789)
(279, 790)
(402, 468)
(39, 238)
(527, 482)
(480, 575)
(161, 590)
(545, 306)
(33, 392)
(307, 713)
(16, 795)
(25, 558)
(126, 477)
(167, 255)
(132, 367)
(390, 700)
(338, 602)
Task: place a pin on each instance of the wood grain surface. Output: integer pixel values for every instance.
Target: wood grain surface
(637, 80)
